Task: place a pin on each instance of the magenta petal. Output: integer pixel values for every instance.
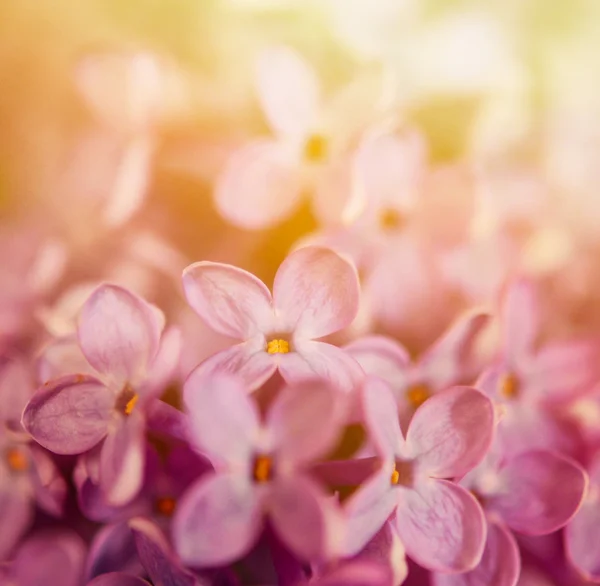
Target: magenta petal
(260, 186)
(247, 361)
(368, 509)
(117, 579)
(231, 301)
(122, 459)
(70, 415)
(540, 493)
(304, 422)
(112, 550)
(451, 432)
(441, 526)
(217, 521)
(450, 360)
(357, 573)
(16, 512)
(224, 420)
(50, 487)
(305, 518)
(118, 333)
(320, 360)
(500, 564)
(158, 561)
(316, 292)
(581, 537)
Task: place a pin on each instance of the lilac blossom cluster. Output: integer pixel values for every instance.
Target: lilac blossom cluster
(306, 448)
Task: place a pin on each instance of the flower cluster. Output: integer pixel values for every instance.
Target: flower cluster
(412, 396)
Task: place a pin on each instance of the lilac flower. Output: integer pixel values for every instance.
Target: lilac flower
(315, 294)
(449, 361)
(117, 579)
(120, 336)
(528, 380)
(258, 472)
(521, 494)
(356, 573)
(440, 523)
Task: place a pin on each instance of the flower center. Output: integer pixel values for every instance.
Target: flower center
(509, 386)
(17, 459)
(127, 400)
(278, 346)
(391, 220)
(315, 148)
(165, 506)
(402, 474)
(263, 469)
(417, 394)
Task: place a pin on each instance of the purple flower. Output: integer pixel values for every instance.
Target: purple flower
(439, 522)
(258, 472)
(120, 336)
(117, 579)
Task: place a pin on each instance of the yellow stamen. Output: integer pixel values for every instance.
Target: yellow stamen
(390, 220)
(417, 394)
(263, 467)
(509, 386)
(17, 460)
(130, 404)
(165, 506)
(395, 476)
(278, 346)
(315, 148)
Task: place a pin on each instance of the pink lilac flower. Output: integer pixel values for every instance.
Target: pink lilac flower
(449, 361)
(117, 579)
(258, 472)
(530, 380)
(264, 182)
(439, 523)
(128, 363)
(521, 494)
(315, 293)
(28, 476)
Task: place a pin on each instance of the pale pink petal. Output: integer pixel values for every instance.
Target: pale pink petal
(16, 387)
(288, 91)
(217, 521)
(305, 518)
(381, 416)
(320, 360)
(118, 333)
(540, 493)
(260, 186)
(442, 526)
(499, 566)
(62, 357)
(581, 537)
(122, 459)
(565, 370)
(450, 360)
(230, 300)
(520, 320)
(70, 415)
(247, 361)
(383, 357)
(368, 509)
(164, 365)
(316, 292)
(451, 432)
(304, 422)
(224, 421)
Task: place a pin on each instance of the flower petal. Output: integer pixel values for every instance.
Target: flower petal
(450, 360)
(320, 360)
(541, 492)
(16, 387)
(442, 526)
(288, 91)
(112, 550)
(260, 185)
(224, 420)
(520, 320)
(357, 573)
(316, 292)
(49, 485)
(62, 357)
(217, 521)
(122, 459)
(70, 415)
(163, 366)
(304, 422)
(305, 518)
(16, 512)
(230, 300)
(117, 579)
(247, 361)
(451, 432)
(500, 564)
(581, 537)
(368, 509)
(118, 333)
